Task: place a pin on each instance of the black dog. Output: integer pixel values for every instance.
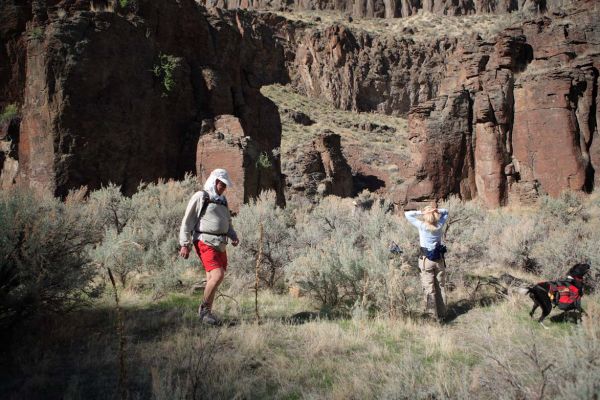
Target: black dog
(566, 295)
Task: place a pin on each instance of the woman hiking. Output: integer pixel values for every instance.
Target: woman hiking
(430, 222)
(207, 226)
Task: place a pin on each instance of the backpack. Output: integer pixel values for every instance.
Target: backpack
(564, 294)
(206, 201)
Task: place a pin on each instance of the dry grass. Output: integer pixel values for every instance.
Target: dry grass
(345, 123)
(421, 27)
(171, 356)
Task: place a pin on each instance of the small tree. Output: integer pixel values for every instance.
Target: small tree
(164, 71)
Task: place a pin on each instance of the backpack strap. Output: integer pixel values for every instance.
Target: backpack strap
(205, 201)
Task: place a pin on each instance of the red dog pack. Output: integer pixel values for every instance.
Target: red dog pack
(564, 294)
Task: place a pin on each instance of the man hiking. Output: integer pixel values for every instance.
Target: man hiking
(207, 225)
(430, 222)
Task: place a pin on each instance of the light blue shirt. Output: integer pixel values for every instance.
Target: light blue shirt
(428, 238)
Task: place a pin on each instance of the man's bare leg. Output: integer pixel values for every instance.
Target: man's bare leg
(213, 280)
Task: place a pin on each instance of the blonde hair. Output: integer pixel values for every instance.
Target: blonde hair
(430, 217)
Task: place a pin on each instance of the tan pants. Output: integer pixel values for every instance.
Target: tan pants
(433, 280)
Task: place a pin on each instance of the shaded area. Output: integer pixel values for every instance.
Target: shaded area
(78, 353)
(370, 182)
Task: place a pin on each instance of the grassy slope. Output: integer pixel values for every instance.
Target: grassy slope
(385, 155)
(424, 25)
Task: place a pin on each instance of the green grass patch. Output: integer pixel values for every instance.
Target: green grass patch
(180, 301)
(10, 111)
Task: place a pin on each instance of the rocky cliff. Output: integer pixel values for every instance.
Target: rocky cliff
(123, 95)
(158, 89)
(504, 119)
(322, 170)
(526, 107)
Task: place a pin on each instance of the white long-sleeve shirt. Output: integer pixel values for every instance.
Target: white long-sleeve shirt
(428, 238)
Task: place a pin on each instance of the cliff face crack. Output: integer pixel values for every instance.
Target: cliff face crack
(466, 168)
(590, 171)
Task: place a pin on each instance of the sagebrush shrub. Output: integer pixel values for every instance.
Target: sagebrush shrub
(160, 208)
(141, 233)
(120, 253)
(512, 240)
(345, 260)
(277, 243)
(43, 265)
(111, 208)
(465, 233)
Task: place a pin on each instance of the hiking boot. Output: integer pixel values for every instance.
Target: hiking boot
(202, 312)
(210, 319)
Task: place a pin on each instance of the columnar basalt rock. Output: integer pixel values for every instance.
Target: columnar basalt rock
(13, 42)
(394, 8)
(534, 114)
(441, 140)
(545, 136)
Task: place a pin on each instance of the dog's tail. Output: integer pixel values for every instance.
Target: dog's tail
(523, 290)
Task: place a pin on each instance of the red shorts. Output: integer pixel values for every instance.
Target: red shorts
(211, 258)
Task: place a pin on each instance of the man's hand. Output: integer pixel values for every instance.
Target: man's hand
(235, 242)
(184, 252)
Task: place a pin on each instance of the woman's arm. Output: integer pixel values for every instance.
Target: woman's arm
(443, 216)
(411, 216)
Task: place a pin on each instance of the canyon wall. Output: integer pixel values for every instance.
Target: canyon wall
(159, 89)
(123, 95)
(396, 8)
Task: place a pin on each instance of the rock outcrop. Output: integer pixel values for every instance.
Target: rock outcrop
(121, 96)
(362, 72)
(442, 149)
(224, 144)
(322, 170)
